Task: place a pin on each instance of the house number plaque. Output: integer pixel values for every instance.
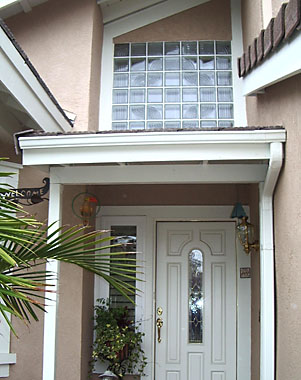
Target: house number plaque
(245, 272)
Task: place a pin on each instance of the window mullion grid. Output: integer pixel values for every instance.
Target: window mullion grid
(180, 87)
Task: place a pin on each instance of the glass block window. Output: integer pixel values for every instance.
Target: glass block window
(177, 85)
(126, 236)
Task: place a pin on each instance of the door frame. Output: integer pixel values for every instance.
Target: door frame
(148, 217)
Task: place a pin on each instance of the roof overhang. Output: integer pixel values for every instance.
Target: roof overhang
(155, 157)
(10, 8)
(24, 102)
(280, 65)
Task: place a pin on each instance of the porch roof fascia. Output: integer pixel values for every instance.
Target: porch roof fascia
(149, 147)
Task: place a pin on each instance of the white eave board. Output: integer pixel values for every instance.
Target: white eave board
(149, 147)
(158, 174)
(9, 8)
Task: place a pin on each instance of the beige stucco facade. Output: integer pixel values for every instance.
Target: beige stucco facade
(209, 21)
(280, 105)
(64, 40)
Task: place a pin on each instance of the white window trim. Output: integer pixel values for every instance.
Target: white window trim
(101, 287)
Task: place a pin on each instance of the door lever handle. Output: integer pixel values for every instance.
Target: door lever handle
(159, 324)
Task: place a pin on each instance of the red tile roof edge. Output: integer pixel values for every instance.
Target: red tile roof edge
(217, 129)
(279, 29)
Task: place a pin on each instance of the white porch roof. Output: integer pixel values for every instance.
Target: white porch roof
(219, 156)
(228, 156)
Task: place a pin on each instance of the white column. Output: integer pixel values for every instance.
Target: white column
(50, 321)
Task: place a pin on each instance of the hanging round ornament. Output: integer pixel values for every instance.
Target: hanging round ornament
(85, 206)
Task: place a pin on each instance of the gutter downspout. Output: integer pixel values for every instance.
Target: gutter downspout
(267, 275)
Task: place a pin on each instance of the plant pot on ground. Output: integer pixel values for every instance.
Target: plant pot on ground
(117, 340)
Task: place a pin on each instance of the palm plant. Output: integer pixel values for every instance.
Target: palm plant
(26, 244)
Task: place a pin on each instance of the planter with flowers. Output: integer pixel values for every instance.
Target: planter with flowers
(117, 340)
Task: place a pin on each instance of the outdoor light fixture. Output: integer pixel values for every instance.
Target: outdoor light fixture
(108, 375)
(244, 229)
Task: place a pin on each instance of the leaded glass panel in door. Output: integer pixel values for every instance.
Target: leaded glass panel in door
(196, 296)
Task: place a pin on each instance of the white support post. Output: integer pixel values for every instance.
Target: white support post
(49, 352)
(267, 296)
(267, 280)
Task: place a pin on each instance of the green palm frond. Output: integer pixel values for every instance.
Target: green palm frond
(26, 245)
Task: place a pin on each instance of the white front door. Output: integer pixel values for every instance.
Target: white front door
(196, 301)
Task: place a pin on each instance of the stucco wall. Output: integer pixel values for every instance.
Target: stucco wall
(276, 4)
(280, 105)
(133, 195)
(75, 326)
(211, 21)
(96, 51)
(251, 13)
(255, 286)
(57, 37)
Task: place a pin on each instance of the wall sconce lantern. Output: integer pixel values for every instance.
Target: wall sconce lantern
(108, 375)
(244, 229)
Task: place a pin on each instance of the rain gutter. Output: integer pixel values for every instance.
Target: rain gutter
(267, 272)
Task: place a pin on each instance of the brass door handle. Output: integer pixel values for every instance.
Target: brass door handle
(159, 324)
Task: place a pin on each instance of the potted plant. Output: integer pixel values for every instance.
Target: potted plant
(117, 340)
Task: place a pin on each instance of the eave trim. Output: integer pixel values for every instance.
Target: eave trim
(148, 147)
